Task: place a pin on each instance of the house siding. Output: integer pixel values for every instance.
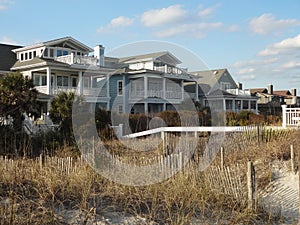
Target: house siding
(115, 100)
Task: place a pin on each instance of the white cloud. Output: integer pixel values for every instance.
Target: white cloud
(121, 21)
(205, 12)
(233, 28)
(277, 63)
(248, 77)
(117, 22)
(188, 23)
(291, 64)
(172, 21)
(7, 40)
(289, 43)
(4, 4)
(245, 71)
(196, 30)
(286, 46)
(267, 24)
(159, 17)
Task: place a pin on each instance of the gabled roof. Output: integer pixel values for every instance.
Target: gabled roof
(258, 90)
(209, 79)
(65, 41)
(36, 62)
(284, 93)
(7, 57)
(165, 57)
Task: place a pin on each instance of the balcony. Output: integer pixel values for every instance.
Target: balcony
(239, 92)
(153, 93)
(170, 69)
(77, 59)
(94, 92)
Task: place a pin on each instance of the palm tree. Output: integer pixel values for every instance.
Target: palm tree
(61, 113)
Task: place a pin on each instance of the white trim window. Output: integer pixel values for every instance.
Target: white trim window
(120, 87)
(225, 86)
(39, 79)
(62, 81)
(120, 109)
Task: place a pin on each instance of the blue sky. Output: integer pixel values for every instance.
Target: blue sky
(258, 41)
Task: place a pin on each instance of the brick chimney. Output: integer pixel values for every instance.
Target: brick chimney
(240, 86)
(294, 91)
(270, 89)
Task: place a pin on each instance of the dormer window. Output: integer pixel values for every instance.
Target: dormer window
(225, 86)
(58, 53)
(46, 52)
(51, 52)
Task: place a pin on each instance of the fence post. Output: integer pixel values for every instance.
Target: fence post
(283, 115)
(251, 185)
(94, 161)
(222, 157)
(41, 161)
(162, 135)
(292, 159)
(299, 182)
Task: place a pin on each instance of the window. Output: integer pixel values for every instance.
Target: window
(225, 86)
(120, 87)
(22, 56)
(34, 54)
(120, 108)
(30, 55)
(59, 53)
(26, 55)
(46, 52)
(39, 79)
(51, 52)
(74, 81)
(62, 81)
(86, 82)
(65, 52)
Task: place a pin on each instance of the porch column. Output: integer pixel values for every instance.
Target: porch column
(233, 105)
(107, 93)
(249, 105)
(164, 106)
(124, 97)
(197, 93)
(241, 105)
(146, 108)
(224, 104)
(80, 82)
(182, 90)
(256, 107)
(284, 120)
(49, 88)
(146, 88)
(164, 88)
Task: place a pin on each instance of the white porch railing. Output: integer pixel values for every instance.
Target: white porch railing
(239, 92)
(290, 116)
(170, 69)
(96, 92)
(76, 59)
(59, 89)
(153, 93)
(173, 95)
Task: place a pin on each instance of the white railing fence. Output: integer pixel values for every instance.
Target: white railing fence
(290, 116)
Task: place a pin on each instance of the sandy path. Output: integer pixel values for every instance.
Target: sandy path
(282, 195)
